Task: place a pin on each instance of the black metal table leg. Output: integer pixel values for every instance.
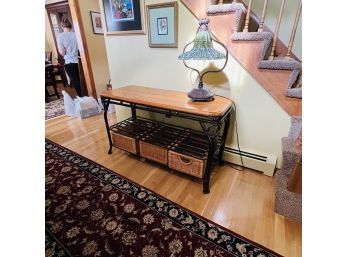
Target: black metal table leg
(224, 136)
(106, 104)
(208, 167)
(212, 132)
(134, 112)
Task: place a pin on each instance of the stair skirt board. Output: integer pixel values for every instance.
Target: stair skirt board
(237, 8)
(263, 163)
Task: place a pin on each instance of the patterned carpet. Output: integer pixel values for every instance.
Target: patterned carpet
(54, 109)
(92, 211)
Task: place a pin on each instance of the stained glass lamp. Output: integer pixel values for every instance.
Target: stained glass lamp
(203, 50)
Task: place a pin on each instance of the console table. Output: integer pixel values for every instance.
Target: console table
(186, 150)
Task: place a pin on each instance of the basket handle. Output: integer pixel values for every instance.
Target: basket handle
(185, 161)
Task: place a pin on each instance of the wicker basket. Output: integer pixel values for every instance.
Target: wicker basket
(123, 142)
(153, 152)
(186, 164)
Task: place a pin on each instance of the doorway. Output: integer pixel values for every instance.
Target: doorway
(56, 13)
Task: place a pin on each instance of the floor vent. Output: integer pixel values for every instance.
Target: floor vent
(264, 163)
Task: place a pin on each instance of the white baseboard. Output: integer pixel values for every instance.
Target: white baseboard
(263, 163)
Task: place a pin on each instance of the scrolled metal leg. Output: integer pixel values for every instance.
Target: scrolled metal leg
(212, 132)
(134, 112)
(106, 104)
(224, 136)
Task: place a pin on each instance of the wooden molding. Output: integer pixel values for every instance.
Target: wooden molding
(82, 42)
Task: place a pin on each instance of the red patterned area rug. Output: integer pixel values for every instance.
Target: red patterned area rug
(54, 109)
(92, 211)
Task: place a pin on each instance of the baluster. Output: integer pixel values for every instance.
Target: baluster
(263, 16)
(294, 28)
(275, 36)
(221, 2)
(247, 18)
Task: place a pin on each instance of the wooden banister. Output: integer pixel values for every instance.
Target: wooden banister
(262, 21)
(294, 28)
(275, 36)
(247, 18)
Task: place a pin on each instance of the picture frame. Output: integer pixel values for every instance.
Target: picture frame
(97, 23)
(162, 23)
(123, 17)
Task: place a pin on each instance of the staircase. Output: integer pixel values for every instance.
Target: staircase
(256, 48)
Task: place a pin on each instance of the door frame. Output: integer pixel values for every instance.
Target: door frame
(53, 8)
(82, 43)
(76, 17)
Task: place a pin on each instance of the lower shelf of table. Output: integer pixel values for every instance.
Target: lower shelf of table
(180, 149)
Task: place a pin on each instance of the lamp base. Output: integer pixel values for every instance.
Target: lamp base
(201, 94)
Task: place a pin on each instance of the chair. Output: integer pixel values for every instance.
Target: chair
(58, 68)
(48, 57)
(50, 81)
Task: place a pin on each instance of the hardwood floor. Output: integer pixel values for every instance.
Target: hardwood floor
(239, 200)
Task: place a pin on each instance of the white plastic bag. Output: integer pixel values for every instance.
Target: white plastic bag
(86, 107)
(111, 108)
(68, 104)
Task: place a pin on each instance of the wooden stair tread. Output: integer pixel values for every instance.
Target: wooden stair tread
(247, 53)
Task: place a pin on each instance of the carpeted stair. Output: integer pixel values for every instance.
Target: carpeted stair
(294, 88)
(237, 8)
(288, 203)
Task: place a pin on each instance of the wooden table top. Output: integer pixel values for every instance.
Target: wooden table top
(168, 99)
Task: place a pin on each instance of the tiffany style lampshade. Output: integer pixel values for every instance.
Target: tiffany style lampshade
(203, 50)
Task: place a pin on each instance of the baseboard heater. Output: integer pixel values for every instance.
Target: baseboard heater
(266, 164)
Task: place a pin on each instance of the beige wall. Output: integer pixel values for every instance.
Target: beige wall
(286, 24)
(261, 122)
(96, 46)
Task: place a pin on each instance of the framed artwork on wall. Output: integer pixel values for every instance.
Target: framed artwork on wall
(123, 16)
(97, 23)
(162, 22)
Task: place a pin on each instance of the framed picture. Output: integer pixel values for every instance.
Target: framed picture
(162, 22)
(97, 23)
(123, 16)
